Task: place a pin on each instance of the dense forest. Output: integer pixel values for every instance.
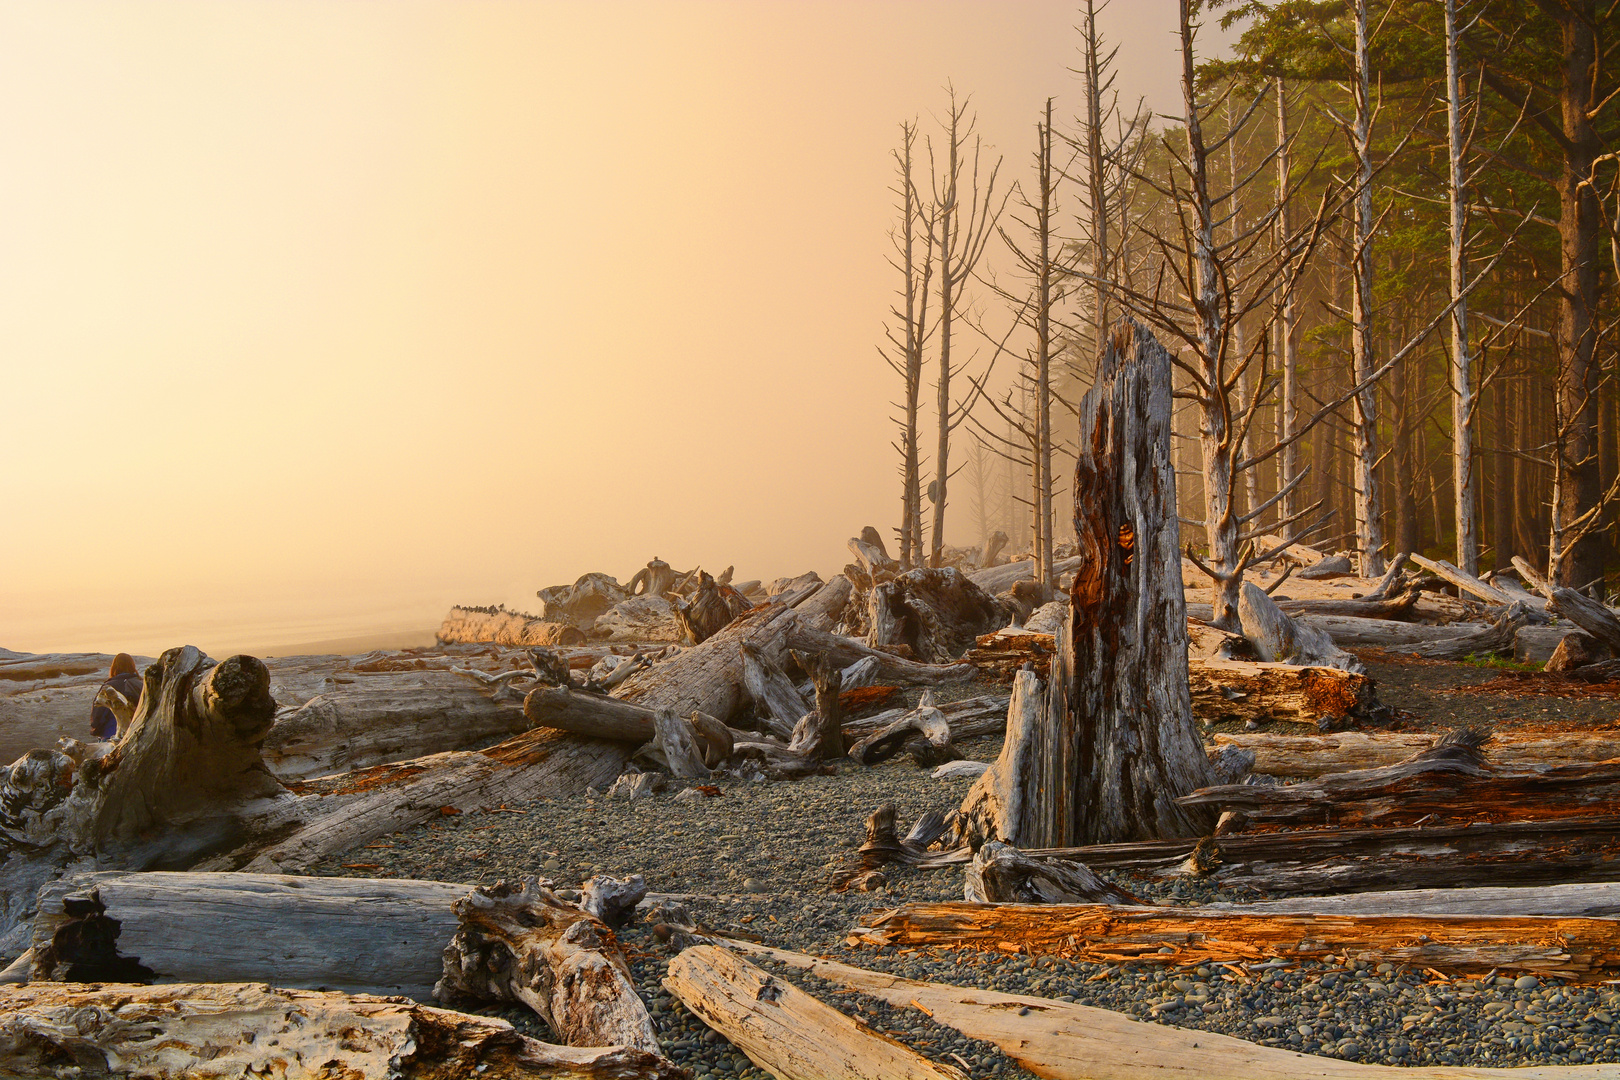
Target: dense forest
(1381, 241)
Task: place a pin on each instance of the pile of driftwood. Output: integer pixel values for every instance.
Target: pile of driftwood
(167, 861)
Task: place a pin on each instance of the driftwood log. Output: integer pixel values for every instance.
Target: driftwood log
(776, 700)
(1595, 618)
(583, 602)
(923, 732)
(1067, 1041)
(785, 1031)
(996, 580)
(1497, 637)
(518, 942)
(1451, 781)
(1001, 874)
(1317, 861)
(1120, 742)
(249, 1029)
(1282, 639)
(357, 935)
(708, 678)
(820, 734)
(1100, 933)
(361, 725)
(1346, 751)
(1261, 692)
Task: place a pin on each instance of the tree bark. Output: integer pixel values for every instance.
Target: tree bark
(1120, 742)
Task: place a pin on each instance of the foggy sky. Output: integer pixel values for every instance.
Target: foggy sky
(319, 317)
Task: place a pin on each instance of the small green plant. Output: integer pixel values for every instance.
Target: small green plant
(1500, 663)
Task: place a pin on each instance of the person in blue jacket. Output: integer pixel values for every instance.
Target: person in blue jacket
(116, 699)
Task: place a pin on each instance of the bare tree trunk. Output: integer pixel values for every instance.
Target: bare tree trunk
(1043, 359)
(1369, 532)
(1287, 346)
(1462, 389)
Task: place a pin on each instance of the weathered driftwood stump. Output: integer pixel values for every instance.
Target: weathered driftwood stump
(655, 579)
(520, 943)
(1120, 744)
(938, 614)
(1277, 638)
(1001, 874)
(583, 602)
(997, 805)
(709, 610)
(820, 734)
(187, 779)
(249, 1029)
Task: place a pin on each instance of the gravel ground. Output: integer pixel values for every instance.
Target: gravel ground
(756, 859)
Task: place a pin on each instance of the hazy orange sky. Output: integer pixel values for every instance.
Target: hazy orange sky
(320, 317)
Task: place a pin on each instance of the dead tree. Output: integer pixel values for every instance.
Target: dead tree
(1120, 743)
(905, 352)
(964, 216)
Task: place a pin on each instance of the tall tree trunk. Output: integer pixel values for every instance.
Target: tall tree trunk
(1369, 538)
(1577, 563)
(1043, 361)
(1462, 388)
(1502, 549)
(1286, 320)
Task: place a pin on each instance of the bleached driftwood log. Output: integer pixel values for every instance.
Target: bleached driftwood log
(824, 609)
(679, 742)
(776, 700)
(1587, 900)
(1001, 874)
(581, 603)
(1067, 1041)
(1316, 861)
(1120, 742)
(475, 625)
(520, 943)
(1466, 582)
(786, 1031)
(249, 1029)
(1498, 636)
(583, 713)
(968, 718)
(937, 613)
(1451, 781)
(872, 556)
(996, 580)
(361, 725)
(923, 731)
(709, 677)
(996, 807)
(1595, 618)
(1346, 751)
(357, 935)
(892, 669)
(1567, 948)
(1281, 639)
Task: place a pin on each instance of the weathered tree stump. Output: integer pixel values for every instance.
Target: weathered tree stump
(1120, 744)
(938, 614)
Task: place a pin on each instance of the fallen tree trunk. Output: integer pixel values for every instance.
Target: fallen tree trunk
(1396, 607)
(1498, 637)
(708, 678)
(186, 779)
(1588, 614)
(824, 609)
(520, 943)
(1580, 901)
(923, 731)
(1261, 692)
(786, 1031)
(1466, 582)
(345, 811)
(996, 580)
(776, 700)
(1001, 655)
(845, 651)
(1280, 639)
(1348, 751)
(249, 1029)
(1316, 861)
(357, 935)
(360, 726)
(968, 718)
(1099, 933)
(1449, 782)
(1067, 1041)
(596, 715)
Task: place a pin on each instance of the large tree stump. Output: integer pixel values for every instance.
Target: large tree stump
(938, 614)
(1120, 745)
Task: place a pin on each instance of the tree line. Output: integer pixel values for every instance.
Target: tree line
(1381, 241)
